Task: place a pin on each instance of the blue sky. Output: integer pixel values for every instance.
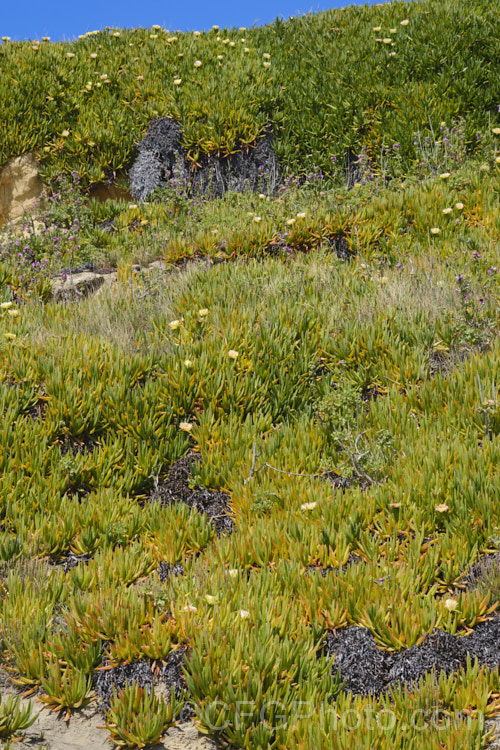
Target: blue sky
(66, 19)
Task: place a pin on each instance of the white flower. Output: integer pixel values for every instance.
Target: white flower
(266, 56)
(196, 33)
(267, 64)
(290, 222)
(45, 38)
(459, 206)
(308, 506)
(261, 196)
(220, 57)
(65, 133)
(6, 305)
(257, 219)
(445, 175)
(6, 39)
(244, 614)
(435, 230)
(246, 49)
(210, 599)
(70, 54)
(174, 324)
(451, 605)
(496, 131)
(188, 363)
(93, 55)
(405, 22)
(377, 28)
(197, 63)
(392, 31)
(190, 608)
(232, 354)
(301, 215)
(484, 168)
(447, 210)
(156, 26)
(203, 312)
(233, 572)
(153, 36)
(215, 28)
(387, 40)
(14, 313)
(177, 81)
(132, 205)
(186, 426)
(383, 279)
(442, 508)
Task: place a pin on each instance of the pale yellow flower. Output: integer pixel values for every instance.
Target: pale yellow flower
(93, 55)
(497, 159)
(215, 28)
(65, 133)
(10, 336)
(117, 33)
(261, 196)
(132, 205)
(45, 38)
(496, 131)
(451, 605)
(484, 168)
(266, 56)
(442, 508)
(186, 426)
(392, 31)
(459, 206)
(6, 305)
(435, 230)
(308, 506)
(70, 54)
(266, 64)
(232, 354)
(447, 210)
(220, 57)
(301, 215)
(377, 28)
(244, 614)
(6, 39)
(188, 363)
(290, 222)
(196, 33)
(174, 324)
(257, 219)
(13, 313)
(387, 40)
(405, 22)
(203, 312)
(153, 36)
(233, 572)
(210, 599)
(197, 63)
(383, 279)
(445, 175)
(246, 49)
(156, 26)
(177, 81)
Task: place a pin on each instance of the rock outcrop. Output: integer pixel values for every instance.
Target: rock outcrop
(20, 186)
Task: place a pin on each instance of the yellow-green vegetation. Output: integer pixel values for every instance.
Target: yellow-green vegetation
(330, 354)
(352, 79)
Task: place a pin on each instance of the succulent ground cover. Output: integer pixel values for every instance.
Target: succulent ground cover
(376, 81)
(259, 487)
